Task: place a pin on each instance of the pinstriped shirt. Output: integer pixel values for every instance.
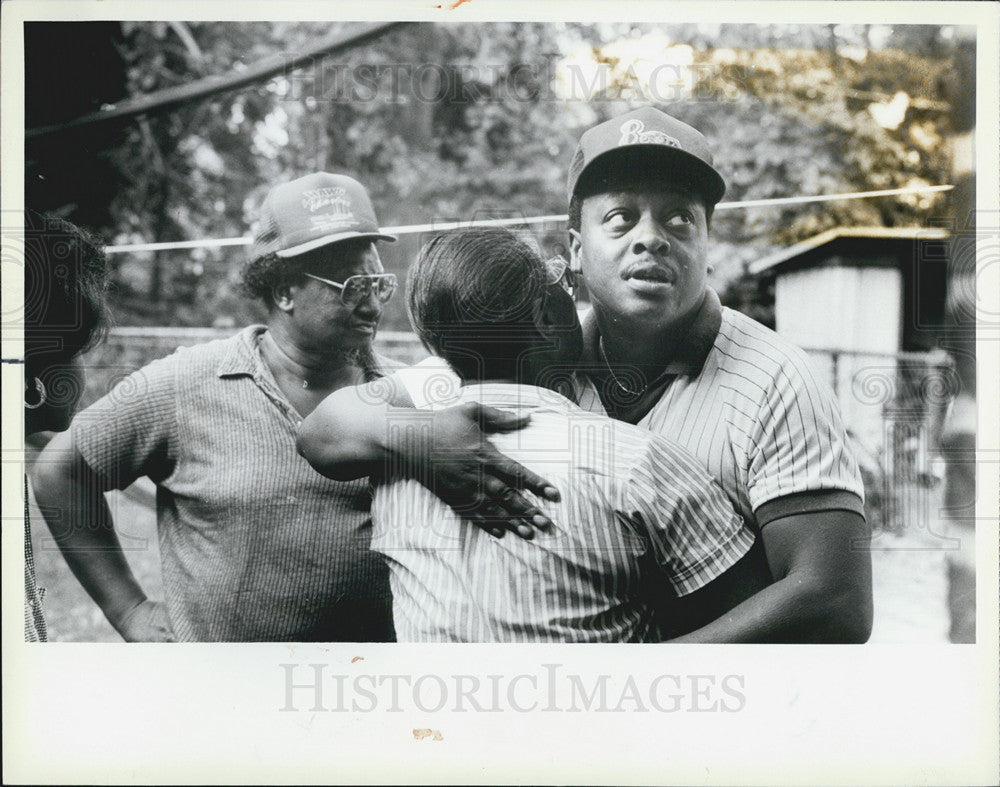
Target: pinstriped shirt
(743, 400)
(631, 502)
(255, 545)
(751, 407)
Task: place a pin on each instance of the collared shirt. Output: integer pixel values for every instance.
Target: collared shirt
(751, 406)
(255, 545)
(746, 402)
(629, 499)
(616, 390)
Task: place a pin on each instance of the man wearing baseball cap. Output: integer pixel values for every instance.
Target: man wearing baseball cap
(254, 544)
(663, 353)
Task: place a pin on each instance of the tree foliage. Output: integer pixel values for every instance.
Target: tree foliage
(461, 121)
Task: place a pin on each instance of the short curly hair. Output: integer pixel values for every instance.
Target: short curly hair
(261, 276)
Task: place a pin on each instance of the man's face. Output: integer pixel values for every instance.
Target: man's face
(322, 322)
(642, 251)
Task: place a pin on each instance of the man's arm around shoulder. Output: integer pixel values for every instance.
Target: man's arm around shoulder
(821, 563)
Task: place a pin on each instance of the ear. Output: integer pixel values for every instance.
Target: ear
(575, 257)
(284, 297)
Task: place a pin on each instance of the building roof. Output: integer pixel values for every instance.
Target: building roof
(815, 242)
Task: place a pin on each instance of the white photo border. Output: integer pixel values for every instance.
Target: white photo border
(874, 714)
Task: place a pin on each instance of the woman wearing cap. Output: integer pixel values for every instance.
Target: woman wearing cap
(65, 292)
(254, 544)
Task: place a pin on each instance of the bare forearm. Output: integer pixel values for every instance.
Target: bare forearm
(789, 610)
(375, 430)
(78, 516)
(823, 590)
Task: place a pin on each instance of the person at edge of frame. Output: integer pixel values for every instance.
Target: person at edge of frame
(254, 545)
(640, 519)
(661, 352)
(65, 314)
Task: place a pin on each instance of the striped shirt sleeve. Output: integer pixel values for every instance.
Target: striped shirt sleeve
(129, 432)
(695, 533)
(799, 445)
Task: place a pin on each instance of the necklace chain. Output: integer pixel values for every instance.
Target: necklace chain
(625, 389)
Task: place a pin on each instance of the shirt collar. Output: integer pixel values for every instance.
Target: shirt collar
(689, 357)
(243, 357)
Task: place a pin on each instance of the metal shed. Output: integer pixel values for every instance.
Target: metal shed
(868, 303)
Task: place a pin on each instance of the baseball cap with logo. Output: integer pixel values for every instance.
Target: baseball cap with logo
(639, 139)
(314, 211)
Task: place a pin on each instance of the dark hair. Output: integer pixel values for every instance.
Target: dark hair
(471, 296)
(263, 275)
(631, 166)
(65, 289)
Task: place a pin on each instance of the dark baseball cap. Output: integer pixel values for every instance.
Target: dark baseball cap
(647, 137)
(314, 211)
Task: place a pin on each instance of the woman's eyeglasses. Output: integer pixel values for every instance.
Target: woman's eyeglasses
(560, 272)
(356, 289)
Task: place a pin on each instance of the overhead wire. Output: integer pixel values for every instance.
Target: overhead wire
(518, 221)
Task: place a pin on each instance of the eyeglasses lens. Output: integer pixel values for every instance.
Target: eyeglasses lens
(357, 288)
